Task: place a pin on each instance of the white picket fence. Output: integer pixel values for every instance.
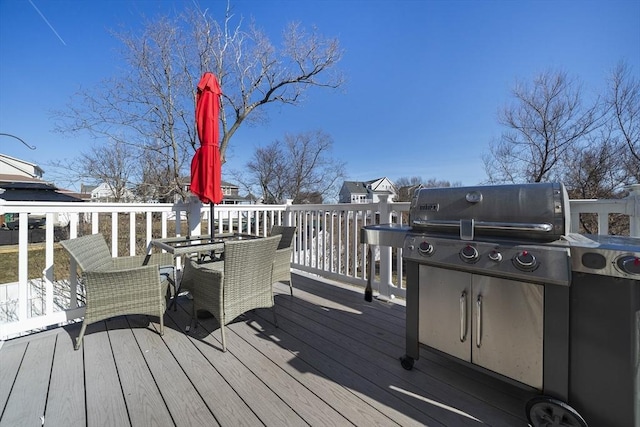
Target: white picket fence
(327, 244)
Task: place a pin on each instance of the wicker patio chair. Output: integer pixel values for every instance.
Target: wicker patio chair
(282, 262)
(236, 285)
(118, 286)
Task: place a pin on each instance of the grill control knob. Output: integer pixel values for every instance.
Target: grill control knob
(630, 264)
(496, 256)
(425, 248)
(469, 254)
(525, 261)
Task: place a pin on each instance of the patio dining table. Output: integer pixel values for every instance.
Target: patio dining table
(201, 245)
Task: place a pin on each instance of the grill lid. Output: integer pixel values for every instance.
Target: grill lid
(521, 211)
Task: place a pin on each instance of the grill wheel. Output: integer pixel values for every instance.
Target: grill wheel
(544, 411)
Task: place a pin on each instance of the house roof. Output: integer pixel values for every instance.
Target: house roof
(362, 187)
(36, 195)
(14, 178)
(26, 189)
(355, 187)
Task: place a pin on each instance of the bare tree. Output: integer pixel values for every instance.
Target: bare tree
(151, 104)
(624, 100)
(593, 171)
(548, 119)
(113, 166)
(299, 168)
(157, 182)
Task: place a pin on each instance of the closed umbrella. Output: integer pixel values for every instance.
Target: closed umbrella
(205, 165)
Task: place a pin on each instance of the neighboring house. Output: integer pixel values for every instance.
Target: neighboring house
(22, 181)
(12, 166)
(102, 193)
(87, 189)
(367, 191)
(230, 194)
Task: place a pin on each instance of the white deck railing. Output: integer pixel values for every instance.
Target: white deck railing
(327, 244)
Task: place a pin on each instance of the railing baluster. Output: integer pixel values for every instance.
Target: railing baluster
(23, 266)
(47, 274)
(147, 242)
(164, 225)
(132, 233)
(74, 218)
(114, 234)
(95, 222)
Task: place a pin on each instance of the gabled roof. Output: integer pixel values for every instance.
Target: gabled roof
(355, 187)
(363, 187)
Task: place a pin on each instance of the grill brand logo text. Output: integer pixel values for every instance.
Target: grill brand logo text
(430, 207)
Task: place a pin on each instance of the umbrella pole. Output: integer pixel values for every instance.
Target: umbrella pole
(212, 222)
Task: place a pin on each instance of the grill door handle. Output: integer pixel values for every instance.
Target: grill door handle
(463, 316)
(487, 225)
(479, 321)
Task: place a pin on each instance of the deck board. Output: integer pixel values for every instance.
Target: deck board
(12, 355)
(26, 403)
(186, 406)
(332, 360)
(105, 401)
(142, 396)
(290, 361)
(268, 406)
(221, 399)
(66, 409)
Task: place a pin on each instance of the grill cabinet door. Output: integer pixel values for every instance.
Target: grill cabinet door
(508, 328)
(445, 316)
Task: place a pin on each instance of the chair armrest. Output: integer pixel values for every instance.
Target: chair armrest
(139, 260)
(124, 285)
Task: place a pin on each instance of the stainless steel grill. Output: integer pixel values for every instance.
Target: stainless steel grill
(526, 212)
(490, 283)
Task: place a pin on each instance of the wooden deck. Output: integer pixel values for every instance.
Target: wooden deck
(333, 360)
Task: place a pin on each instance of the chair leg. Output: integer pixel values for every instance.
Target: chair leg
(162, 324)
(291, 286)
(275, 318)
(193, 315)
(224, 344)
(79, 340)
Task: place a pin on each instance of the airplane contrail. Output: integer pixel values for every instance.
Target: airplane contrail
(45, 20)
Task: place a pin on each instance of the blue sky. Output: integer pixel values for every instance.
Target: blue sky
(425, 79)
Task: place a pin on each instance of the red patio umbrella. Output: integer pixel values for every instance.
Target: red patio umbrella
(205, 165)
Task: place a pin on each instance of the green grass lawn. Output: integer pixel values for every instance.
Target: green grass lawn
(9, 262)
